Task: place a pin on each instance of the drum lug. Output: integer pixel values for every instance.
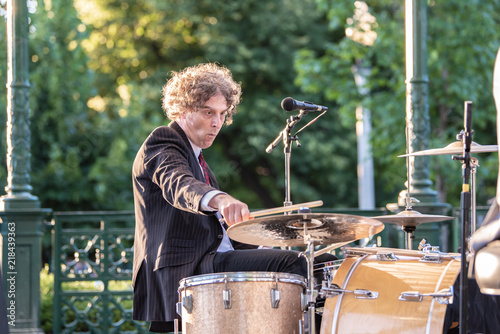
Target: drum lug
(226, 295)
(335, 290)
(304, 301)
(432, 258)
(275, 298)
(365, 294)
(178, 308)
(275, 294)
(431, 253)
(444, 296)
(187, 302)
(390, 256)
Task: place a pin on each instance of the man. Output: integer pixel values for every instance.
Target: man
(177, 199)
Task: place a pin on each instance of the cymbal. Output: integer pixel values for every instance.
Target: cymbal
(412, 218)
(289, 230)
(454, 148)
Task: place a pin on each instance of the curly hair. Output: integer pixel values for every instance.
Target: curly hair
(188, 90)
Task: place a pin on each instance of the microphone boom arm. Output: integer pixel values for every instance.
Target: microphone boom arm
(287, 138)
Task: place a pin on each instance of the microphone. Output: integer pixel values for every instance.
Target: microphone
(289, 104)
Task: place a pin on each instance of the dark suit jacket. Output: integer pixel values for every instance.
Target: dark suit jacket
(173, 238)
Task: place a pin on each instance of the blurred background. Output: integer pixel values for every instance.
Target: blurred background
(97, 68)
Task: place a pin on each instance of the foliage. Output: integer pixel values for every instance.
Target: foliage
(97, 68)
(47, 299)
(114, 56)
(461, 47)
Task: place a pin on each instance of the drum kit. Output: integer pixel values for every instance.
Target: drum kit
(370, 290)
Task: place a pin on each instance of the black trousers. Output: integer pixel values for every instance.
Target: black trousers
(272, 260)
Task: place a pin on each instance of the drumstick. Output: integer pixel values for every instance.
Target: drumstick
(285, 209)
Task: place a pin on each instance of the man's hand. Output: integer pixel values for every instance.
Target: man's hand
(230, 208)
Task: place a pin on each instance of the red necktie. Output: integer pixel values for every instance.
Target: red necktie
(204, 166)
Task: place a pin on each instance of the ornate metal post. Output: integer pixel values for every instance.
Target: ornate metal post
(418, 125)
(417, 107)
(19, 210)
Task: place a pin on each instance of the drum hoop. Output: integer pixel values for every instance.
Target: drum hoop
(243, 276)
(397, 251)
(438, 284)
(347, 278)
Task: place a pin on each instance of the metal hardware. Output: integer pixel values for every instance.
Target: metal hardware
(432, 257)
(335, 290)
(365, 294)
(226, 295)
(444, 296)
(187, 302)
(431, 253)
(303, 301)
(176, 326)
(275, 294)
(178, 308)
(389, 256)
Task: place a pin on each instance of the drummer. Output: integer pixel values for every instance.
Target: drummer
(180, 212)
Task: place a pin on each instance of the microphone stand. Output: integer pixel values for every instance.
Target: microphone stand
(465, 201)
(287, 138)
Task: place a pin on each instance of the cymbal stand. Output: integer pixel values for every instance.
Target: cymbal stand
(409, 230)
(465, 201)
(474, 163)
(410, 235)
(311, 292)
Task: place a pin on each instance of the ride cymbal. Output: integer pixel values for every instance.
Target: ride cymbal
(290, 230)
(454, 148)
(411, 218)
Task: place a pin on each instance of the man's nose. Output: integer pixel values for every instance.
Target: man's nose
(216, 121)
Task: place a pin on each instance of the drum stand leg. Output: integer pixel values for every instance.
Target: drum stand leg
(311, 293)
(176, 326)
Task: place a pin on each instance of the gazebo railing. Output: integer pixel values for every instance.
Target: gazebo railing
(92, 264)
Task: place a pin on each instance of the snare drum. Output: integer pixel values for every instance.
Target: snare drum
(385, 290)
(241, 302)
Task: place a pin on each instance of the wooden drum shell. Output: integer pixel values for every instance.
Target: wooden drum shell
(362, 269)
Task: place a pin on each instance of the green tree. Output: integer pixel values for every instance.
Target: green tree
(462, 43)
(133, 45)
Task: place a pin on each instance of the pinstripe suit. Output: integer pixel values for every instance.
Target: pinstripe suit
(173, 238)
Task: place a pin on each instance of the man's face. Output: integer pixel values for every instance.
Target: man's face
(203, 125)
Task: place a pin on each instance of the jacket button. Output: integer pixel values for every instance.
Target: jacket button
(220, 236)
(212, 252)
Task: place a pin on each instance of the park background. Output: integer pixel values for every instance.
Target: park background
(96, 69)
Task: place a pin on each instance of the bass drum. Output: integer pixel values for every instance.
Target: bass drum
(385, 290)
(241, 302)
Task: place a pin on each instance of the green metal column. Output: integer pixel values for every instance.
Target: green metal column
(417, 106)
(19, 210)
(418, 128)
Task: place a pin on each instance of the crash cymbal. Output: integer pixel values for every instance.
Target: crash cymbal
(454, 148)
(411, 218)
(289, 230)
